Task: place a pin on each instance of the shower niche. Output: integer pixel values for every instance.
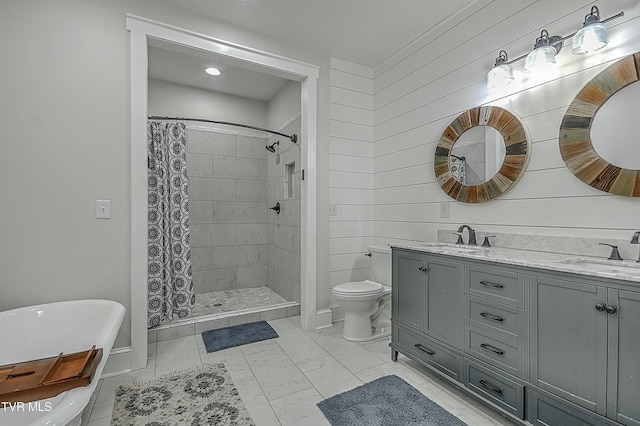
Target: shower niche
(289, 176)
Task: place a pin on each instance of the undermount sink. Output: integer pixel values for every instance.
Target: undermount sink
(613, 266)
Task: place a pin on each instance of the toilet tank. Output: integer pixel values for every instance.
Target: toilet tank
(381, 264)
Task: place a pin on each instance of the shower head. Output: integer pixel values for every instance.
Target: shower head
(271, 148)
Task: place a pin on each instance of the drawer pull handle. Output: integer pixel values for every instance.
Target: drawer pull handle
(491, 387)
(492, 317)
(423, 349)
(492, 349)
(490, 284)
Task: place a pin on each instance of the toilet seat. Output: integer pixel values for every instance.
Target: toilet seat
(364, 288)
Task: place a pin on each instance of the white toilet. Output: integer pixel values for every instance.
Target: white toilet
(367, 304)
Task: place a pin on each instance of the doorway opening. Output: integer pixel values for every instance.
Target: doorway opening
(145, 33)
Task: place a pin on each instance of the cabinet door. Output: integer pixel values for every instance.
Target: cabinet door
(408, 281)
(444, 301)
(624, 356)
(569, 341)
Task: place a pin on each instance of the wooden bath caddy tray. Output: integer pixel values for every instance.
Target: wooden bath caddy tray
(47, 377)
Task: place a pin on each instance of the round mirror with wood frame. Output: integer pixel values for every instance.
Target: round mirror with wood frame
(515, 159)
(576, 147)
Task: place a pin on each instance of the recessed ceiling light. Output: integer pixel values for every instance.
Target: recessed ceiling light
(212, 71)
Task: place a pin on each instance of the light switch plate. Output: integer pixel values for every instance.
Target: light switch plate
(103, 209)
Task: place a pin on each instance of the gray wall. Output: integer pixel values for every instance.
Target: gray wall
(173, 99)
(66, 143)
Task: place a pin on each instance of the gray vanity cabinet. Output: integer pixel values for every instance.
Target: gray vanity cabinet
(546, 347)
(623, 360)
(585, 341)
(426, 310)
(569, 341)
(427, 295)
(407, 296)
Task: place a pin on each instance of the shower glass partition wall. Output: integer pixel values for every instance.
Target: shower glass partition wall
(230, 175)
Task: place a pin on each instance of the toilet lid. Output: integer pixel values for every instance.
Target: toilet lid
(359, 287)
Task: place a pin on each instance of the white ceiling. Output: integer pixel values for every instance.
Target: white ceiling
(366, 32)
(362, 31)
(181, 65)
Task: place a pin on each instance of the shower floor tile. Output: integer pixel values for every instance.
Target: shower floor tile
(218, 302)
(226, 308)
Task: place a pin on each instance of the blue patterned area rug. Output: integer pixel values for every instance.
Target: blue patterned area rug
(228, 337)
(388, 400)
(201, 396)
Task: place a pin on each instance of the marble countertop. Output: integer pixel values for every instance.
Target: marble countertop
(628, 270)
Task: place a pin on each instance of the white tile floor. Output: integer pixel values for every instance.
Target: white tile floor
(281, 380)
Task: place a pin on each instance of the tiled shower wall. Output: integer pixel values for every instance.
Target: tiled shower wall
(228, 209)
(283, 240)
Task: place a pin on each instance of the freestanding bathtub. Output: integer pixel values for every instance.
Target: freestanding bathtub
(43, 331)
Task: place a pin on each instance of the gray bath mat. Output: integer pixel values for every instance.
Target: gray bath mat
(204, 395)
(388, 400)
(228, 337)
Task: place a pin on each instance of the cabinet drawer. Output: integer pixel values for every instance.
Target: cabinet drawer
(498, 389)
(501, 285)
(496, 350)
(428, 351)
(496, 317)
(547, 411)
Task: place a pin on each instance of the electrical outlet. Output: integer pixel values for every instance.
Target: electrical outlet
(444, 210)
(333, 210)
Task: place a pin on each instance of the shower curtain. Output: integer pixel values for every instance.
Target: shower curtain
(170, 284)
(458, 169)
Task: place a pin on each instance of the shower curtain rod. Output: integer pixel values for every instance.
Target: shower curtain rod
(293, 138)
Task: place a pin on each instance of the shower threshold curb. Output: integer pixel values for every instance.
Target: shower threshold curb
(190, 326)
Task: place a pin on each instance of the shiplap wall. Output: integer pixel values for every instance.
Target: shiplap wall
(350, 171)
(422, 89)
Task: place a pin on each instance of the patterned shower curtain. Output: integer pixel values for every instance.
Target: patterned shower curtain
(170, 284)
(458, 168)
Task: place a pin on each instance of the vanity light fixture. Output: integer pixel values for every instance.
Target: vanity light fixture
(501, 74)
(592, 36)
(212, 71)
(543, 55)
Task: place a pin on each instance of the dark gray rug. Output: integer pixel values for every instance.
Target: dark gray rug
(228, 337)
(388, 400)
(202, 396)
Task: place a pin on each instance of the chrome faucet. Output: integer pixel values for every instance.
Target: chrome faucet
(634, 240)
(472, 234)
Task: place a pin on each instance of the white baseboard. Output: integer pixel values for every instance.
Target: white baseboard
(119, 362)
(323, 318)
(337, 312)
